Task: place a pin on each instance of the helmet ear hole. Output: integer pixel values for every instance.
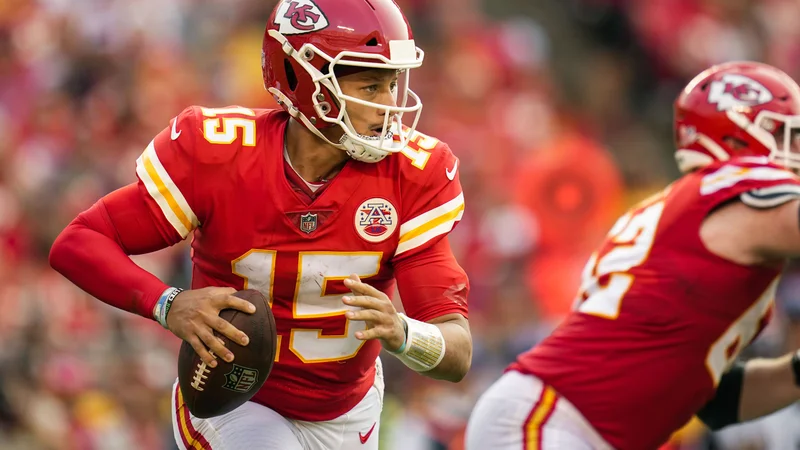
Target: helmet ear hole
(734, 143)
(333, 98)
(290, 75)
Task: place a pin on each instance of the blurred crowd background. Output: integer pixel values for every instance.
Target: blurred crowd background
(559, 111)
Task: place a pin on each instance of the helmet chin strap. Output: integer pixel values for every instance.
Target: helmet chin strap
(297, 115)
(690, 160)
(712, 147)
(354, 149)
(361, 152)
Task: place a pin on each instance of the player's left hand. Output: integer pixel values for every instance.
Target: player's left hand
(382, 320)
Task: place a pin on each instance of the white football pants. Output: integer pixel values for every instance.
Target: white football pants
(519, 412)
(256, 427)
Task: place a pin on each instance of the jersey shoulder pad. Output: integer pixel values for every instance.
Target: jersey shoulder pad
(165, 170)
(220, 133)
(770, 197)
(422, 157)
(197, 145)
(740, 176)
(432, 200)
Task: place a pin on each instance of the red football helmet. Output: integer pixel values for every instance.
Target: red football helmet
(308, 41)
(738, 109)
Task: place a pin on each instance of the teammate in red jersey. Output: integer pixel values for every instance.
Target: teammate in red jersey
(682, 283)
(302, 204)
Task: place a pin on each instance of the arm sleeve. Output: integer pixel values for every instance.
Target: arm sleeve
(432, 284)
(723, 409)
(160, 210)
(93, 250)
(432, 203)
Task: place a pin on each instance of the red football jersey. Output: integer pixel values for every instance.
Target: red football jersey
(220, 175)
(659, 317)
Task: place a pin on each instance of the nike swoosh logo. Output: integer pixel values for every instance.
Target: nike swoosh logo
(365, 437)
(175, 132)
(451, 173)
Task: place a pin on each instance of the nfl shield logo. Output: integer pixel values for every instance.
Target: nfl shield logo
(308, 223)
(240, 379)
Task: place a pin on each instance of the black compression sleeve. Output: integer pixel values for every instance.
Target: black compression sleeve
(723, 409)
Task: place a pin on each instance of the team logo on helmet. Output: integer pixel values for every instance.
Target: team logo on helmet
(737, 90)
(299, 16)
(375, 220)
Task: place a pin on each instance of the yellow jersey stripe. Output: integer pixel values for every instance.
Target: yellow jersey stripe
(165, 193)
(431, 214)
(452, 215)
(541, 412)
(183, 422)
(442, 228)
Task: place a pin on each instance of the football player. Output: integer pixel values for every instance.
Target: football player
(683, 282)
(324, 206)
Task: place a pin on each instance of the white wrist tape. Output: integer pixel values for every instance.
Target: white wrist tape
(424, 347)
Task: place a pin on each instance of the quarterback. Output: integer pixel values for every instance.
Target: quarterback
(682, 283)
(325, 206)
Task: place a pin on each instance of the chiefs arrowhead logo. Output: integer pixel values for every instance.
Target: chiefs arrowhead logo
(737, 90)
(300, 16)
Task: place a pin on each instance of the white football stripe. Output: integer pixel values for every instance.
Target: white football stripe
(417, 241)
(165, 193)
(431, 214)
(730, 175)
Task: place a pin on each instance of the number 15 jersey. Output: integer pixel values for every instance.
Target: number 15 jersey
(659, 317)
(220, 176)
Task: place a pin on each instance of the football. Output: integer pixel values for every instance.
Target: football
(213, 391)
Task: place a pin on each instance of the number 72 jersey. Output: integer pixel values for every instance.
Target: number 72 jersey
(220, 176)
(659, 318)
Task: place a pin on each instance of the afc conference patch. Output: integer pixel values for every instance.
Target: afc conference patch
(376, 220)
(240, 379)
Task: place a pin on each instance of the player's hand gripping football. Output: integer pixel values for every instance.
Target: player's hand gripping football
(382, 320)
(194, 316)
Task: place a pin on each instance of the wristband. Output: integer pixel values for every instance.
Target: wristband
(405, 340)
(163, 305)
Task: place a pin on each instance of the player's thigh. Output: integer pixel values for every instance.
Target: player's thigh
(518, 412)
(250, 426)
(357, 429)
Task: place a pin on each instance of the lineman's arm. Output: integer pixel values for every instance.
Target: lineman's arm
(752, 390)
(760, 235)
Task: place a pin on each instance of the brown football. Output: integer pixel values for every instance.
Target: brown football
(210, 392)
